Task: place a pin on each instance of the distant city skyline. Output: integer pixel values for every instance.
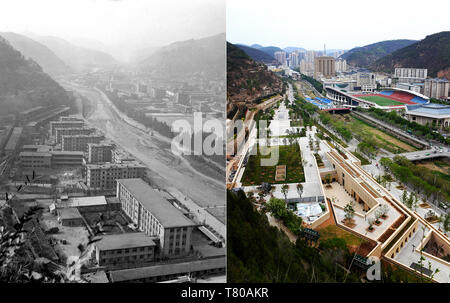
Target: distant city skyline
(338, 24)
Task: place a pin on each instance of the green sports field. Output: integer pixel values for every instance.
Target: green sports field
(381, 100)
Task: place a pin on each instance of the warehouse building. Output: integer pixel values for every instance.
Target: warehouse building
(43, 158)
(70, 217)
(171, 271)
(124, 250)
(85, 204)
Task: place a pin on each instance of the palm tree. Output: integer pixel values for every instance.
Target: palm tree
(300, 189)
(284, 191)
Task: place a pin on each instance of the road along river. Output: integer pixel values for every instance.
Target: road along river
(167, 170)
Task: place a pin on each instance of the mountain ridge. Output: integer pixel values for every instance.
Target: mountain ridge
(203, 57)
(364, 56)
(24, 84)
(432, 53)
(247, 80)
(78, 58)
(41, 54)
(257, 54)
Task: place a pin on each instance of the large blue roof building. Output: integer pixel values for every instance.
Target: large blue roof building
(431, 113)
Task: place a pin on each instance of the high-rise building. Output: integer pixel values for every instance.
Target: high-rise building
(294, 61)
(306, 67)
(410, 75)
(341, 65)
(310, 55)
(324, 66)
(436, 88)
(281, 57)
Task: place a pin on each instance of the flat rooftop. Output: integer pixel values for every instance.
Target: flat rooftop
(125, 240)
(114, 165)
(66, 153)
(34, 154)
(167, 214)
(166, 269)
(86, 201)
(69, 213)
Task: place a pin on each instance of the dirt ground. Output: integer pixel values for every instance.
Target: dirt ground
(432, 166)
(377, 133)
(72, 235)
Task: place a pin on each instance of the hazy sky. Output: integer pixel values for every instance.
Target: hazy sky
(341, 24)
(124, 23)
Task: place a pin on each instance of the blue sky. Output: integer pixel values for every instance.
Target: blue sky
(340, 24)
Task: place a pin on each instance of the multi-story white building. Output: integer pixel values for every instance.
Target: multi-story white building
(156, 216)
(415, 87)
(104, 176)
(367, 81)
(436, 88)
(409, 75)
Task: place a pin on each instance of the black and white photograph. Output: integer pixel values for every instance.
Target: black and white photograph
(96, 187)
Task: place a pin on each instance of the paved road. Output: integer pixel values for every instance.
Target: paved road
(167, 170)
(426, 154)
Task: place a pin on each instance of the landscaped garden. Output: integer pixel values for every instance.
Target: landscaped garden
(332, 231)
(289, 155)
(363, 159)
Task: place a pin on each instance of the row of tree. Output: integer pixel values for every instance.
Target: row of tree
(427, 131)
(433, 186)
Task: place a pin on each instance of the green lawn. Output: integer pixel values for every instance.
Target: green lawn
(289, 155)
(381, 100)
(363, 159)
(332, 231)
